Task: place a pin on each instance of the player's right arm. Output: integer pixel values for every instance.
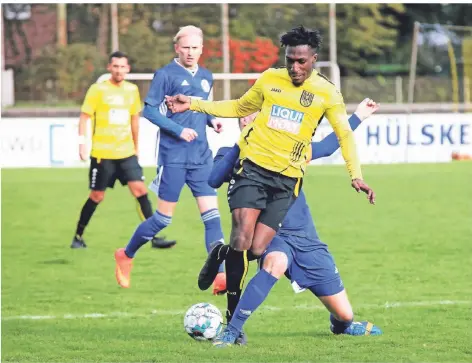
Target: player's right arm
(154, 108)
(88, 109)
(249, 103)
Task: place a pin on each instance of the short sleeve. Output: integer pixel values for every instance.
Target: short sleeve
(91, 100)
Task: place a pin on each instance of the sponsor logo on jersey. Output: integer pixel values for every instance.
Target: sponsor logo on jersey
(278, 90)
(115, 100)
(285, 119)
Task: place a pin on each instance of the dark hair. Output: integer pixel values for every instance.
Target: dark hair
(117, 54)
(302, 36)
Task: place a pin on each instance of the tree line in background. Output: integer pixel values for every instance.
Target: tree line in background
(367, 35)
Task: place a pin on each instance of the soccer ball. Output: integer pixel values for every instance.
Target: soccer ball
(203, 321)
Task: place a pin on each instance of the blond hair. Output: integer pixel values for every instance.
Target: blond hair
(187, 30)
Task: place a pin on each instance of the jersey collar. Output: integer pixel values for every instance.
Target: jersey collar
(115, 85)
(193, 72)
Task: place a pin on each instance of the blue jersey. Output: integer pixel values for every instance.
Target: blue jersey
(171, 80)
(299, 222)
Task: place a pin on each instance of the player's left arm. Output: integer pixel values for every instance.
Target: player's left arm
(135, 111)
(223, 165)
(330, 144)
(337, 117)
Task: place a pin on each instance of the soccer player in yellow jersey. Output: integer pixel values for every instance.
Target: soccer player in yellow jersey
(114, 107)
(292, 102)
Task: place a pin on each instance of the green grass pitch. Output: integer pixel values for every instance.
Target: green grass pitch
(406, 263)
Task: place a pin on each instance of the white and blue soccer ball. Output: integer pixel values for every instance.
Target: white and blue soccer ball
(203, 321)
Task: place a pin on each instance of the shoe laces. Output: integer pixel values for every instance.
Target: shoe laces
(356, 328)
(227, 336)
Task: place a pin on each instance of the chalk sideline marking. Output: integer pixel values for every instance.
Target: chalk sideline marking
(387, 305)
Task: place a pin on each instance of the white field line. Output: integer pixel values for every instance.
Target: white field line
(387, 305)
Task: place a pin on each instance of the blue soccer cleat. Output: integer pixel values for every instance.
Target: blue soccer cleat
(242, 339)
(228, 337)
(361, 328)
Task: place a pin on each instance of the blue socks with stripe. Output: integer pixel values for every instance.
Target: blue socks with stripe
(213, 232)
(146, 232)
(256, 292)
(338, 327)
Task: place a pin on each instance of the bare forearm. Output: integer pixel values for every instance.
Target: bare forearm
(135, 131)
(83, 123)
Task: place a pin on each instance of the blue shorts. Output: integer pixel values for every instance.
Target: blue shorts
(314, 270)
(170, 180)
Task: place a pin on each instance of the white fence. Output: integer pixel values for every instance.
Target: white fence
(402, 138)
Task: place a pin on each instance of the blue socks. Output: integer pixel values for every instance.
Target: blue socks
(213, 231)
(339, 326)
(256, 292)
(146, 232)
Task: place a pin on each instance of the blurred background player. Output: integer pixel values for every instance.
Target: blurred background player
(113, 106)
(184, 155)
(295, 251)
(292, 101)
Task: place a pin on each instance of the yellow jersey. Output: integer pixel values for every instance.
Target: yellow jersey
(280, 135)
(110, 108)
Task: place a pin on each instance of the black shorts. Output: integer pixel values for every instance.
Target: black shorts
(104, 172)
(255, 187)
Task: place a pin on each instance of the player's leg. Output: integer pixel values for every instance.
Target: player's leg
(171, 183)
(100, 173)
(249, 193)
(244, 223)
(274, 263)
(170, 186)
(330, 291)
(342, 316)
(244, 220)
(130, 172)
(208, 207)
(207, 201)
(263, 234)
(247, 197)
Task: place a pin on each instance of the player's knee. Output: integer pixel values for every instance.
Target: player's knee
(241, 241)
(346, 314)
(138, 189)
(159, 221)
(258, 251)
(276, 264)
(97, 195)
